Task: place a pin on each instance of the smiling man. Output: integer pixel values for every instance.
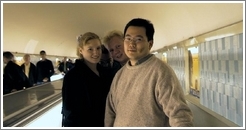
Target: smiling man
(146, 91)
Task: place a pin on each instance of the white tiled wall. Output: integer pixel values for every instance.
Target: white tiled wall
(175, 58)
(221, 75)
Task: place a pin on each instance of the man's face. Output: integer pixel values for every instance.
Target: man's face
(65, 59)
(26, 58)
(5, 60)
(136, 44)
(43, 56)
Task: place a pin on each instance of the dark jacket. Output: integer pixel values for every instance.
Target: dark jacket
(44, 69)
(115, 67)
(69, 65)
(32, 76)
(84, 96)
(14, 78)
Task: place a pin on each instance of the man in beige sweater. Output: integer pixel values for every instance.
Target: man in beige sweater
(146, 91)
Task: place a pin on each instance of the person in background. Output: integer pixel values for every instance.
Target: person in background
(108, 62)
(113, 41)
(65, 66)
(29, 69)
(85, 86)
(106, 59)
(71, 61)
(45, 69)
(58, 63)
(145, 92)
(14, 78)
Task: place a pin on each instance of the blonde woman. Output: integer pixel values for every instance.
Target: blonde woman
(86, 86)
(114, 43)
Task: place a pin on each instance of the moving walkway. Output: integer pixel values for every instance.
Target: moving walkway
(22, 107)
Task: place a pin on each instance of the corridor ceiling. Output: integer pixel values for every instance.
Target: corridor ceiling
(31, 27)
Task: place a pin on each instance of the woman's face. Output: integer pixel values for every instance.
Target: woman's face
(116, 49)
(92, 51)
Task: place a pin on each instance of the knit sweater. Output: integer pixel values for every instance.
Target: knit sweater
(147, 95)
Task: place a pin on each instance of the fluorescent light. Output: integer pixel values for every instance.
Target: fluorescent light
(218, 37)
(18, 58)
(164, 54)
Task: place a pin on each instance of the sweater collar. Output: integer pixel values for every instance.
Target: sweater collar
(142, 60)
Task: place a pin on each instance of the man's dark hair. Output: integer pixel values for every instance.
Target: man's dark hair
(42, 52)
(142, 23)
(8, 55)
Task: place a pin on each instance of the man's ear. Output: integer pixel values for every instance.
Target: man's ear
(150, 44)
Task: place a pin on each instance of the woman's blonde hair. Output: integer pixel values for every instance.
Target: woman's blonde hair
(83, 39)
(112, 34)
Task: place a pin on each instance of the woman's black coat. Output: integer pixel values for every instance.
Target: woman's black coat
(84, 95)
